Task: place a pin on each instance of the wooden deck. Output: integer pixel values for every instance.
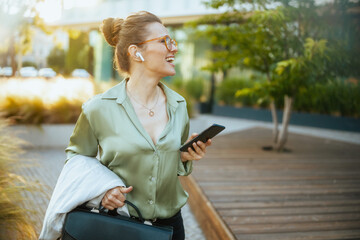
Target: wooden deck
(310, 192)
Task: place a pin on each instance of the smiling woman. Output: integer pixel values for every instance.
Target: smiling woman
(140, 124)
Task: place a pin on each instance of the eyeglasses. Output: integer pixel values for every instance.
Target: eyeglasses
(169, 42)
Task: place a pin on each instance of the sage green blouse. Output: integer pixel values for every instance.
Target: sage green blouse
(108, 124)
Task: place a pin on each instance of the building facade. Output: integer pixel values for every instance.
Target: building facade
(192, 53)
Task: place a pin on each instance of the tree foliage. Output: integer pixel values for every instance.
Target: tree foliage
(80, 53)
(295, 44)
(259, 34)
(56, 59)
(21, 17)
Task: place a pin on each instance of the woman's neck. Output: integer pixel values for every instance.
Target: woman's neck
(143, 88)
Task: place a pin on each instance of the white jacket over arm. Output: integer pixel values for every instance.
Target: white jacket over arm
(83, 179)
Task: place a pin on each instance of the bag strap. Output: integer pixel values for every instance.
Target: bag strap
(136, 209)
(130, 204)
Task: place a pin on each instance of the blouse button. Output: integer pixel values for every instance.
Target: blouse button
(151, 202)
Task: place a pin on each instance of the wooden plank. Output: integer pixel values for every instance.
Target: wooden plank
(288, 191)
(233, 220)
(246, 205)
(318, 235)
(289, 211)
(294, 227)
(281, 198)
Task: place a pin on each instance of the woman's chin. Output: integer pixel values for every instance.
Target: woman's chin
(172, 73)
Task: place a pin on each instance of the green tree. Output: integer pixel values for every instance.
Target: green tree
(80, 53)
(21, 18)
(284, 40)
(56, 59)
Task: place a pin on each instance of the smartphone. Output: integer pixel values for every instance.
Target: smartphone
(207, 134)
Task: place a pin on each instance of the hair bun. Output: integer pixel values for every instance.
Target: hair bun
(111, 28)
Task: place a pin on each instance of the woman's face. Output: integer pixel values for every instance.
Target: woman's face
(158, 59)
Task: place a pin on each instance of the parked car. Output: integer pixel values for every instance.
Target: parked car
(82, 73)
(47, 72)
(28, 72)
(6, 71)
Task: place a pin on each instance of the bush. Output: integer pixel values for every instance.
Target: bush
(336, 97)
(195, 88)
(55, 101)
(56, 59)
(29, 64)
(225, 92)
(177, 84)
(14, 219)
(23, 110)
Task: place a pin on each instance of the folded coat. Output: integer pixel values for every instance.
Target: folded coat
(83, 179)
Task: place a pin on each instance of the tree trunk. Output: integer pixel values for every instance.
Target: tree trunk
(274, 115)
(12, 55)
(212, 93)
(19, 63)
(285, 123)
(275, 121)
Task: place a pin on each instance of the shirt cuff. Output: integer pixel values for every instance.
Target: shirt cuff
(185, 168)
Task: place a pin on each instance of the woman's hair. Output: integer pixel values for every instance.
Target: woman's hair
(121, 33)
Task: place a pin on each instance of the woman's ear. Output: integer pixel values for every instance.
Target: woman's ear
(132, 50)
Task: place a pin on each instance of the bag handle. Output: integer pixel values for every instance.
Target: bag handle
(130, 204)
(136, 209)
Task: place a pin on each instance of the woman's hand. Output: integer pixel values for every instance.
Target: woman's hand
(200, 150)
(115, 197)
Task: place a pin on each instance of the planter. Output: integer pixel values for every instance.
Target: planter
(46, 135)
(204, 107)
(301, 119)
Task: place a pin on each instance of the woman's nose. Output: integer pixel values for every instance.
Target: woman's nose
(174, 48)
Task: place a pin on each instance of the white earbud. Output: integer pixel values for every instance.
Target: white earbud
(140, 56)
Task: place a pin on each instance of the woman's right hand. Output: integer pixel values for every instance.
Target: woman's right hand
(115, 197)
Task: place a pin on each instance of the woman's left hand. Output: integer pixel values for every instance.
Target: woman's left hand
(200, 150)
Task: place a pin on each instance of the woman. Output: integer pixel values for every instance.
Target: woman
(139, 125)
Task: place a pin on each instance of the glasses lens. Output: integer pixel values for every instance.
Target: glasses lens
(168, 43)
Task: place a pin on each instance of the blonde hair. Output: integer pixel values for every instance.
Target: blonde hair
(121, 33)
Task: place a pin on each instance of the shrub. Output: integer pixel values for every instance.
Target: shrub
(195, 88)
(29, 64)
(225, 92)
(336, 97)
(55, 101)
(21, 109)
(178, 86)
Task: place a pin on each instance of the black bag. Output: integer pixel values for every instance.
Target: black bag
(82, 223)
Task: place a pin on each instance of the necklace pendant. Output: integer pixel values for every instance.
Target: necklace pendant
(151, 113)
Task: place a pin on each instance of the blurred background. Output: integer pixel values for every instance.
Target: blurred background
(279, 61)
(224, 46)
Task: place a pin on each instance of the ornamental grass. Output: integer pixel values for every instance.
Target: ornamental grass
(15, 222)
(38, 100)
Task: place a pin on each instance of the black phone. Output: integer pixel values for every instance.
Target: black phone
(205, 135)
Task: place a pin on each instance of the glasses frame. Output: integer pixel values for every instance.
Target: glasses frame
(172, 41)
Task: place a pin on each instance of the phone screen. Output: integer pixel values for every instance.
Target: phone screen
(205, 135)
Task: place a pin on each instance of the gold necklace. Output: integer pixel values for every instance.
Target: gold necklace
(151, 112)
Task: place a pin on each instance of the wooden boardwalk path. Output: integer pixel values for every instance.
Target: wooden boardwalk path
(310, 192)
